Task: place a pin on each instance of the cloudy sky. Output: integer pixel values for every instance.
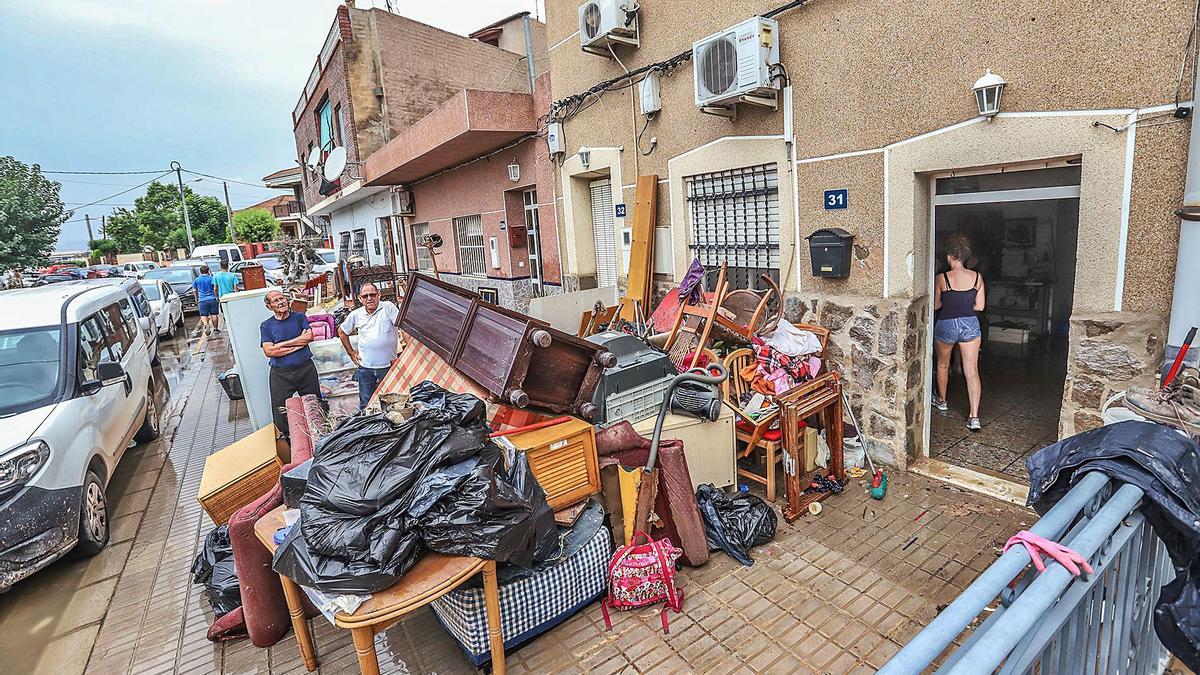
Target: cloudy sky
(130, 85)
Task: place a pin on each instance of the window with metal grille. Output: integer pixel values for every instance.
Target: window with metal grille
(489, 295)
(359, 245)
(735, 218)
(343, 245)
(469, 232)
(424, 259)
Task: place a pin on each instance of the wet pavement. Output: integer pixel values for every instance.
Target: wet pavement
(836, 593)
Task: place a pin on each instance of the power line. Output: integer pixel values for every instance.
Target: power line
(118, 194)
(102, 173)
(231, 180)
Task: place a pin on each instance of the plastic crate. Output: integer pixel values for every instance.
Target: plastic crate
(636, 404)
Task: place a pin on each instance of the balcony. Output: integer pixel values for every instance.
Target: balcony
(292, 209)
(470, 125)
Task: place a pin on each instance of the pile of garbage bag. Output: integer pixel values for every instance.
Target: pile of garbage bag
(735, 523)
(382, 490)
(214, 568)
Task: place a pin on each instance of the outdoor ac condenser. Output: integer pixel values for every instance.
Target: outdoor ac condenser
(735, 65)
(603, 23)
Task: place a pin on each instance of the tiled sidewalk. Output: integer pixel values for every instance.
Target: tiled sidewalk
(833, 593)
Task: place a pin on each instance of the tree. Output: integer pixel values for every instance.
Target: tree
(31, 215)
(256, 225)
(102, 247)
(157, 220)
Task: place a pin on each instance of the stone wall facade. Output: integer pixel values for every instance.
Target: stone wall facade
(1109, 352)
(877, 346)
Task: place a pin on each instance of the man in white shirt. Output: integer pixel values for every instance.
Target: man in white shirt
(378, 340)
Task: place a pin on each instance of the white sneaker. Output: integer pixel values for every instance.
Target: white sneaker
(974, 424)
(940, 404)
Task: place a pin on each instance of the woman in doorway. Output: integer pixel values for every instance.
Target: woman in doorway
(957, 295)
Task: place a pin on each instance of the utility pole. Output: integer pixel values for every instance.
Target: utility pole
(88, 220)
(187, 223)
(104, 227)
(229, 213)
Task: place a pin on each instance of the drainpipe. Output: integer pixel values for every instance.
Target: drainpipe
(529, 56)
(1185, 306)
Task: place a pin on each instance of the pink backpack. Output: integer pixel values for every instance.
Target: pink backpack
(642, 575)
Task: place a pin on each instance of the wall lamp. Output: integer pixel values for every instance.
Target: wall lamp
(988, 90)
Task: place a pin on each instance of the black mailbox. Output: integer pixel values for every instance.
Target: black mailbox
(830, 251)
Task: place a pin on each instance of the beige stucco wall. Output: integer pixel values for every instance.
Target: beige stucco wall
(868, 74)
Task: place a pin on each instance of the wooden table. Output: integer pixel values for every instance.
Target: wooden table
(822, 396)
(432, 577)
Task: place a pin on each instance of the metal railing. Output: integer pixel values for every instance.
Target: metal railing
(1052, 622)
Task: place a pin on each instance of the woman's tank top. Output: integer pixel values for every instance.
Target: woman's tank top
(958, 304)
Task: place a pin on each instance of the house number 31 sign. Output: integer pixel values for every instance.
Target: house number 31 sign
(835, 199)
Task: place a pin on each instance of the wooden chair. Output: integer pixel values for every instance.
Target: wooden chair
(694, 325)
(761, 436)
(591, 319)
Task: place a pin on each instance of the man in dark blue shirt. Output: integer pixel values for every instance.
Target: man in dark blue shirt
(206, 298)
(285, 337)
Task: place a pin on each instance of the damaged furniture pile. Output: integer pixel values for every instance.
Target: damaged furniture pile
(508, 474)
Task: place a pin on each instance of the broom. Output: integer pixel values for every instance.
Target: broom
(878, 477)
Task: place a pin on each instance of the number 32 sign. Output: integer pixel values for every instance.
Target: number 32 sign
(835, 199)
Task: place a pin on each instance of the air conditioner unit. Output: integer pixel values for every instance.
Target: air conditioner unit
(406, 203)
(735, 66)
(603, 23)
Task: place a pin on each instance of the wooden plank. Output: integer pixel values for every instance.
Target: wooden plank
(641, 254)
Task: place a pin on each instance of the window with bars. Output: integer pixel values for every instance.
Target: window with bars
(358, 246)
(469, 232)
(735, 218)
(422, 255)
(343, 245)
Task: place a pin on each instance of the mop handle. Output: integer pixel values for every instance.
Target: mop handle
(694, 375)
(857, 428)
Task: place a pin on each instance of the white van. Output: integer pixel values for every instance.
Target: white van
(227, 252)
(76, 386)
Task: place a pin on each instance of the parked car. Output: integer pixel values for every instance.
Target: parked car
(102, 271)
(76, 386)
(327, 260)
(141, 306)
(229, 252)
(272, 269)
(165, 305)
(180, 278)
(54, 278)
(136, 270)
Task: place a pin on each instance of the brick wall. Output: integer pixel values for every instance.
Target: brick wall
(424, 67)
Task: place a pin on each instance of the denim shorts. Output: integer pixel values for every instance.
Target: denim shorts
(952, 331)
(209, 307)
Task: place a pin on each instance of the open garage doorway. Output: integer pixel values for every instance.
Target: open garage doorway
(1021, 228)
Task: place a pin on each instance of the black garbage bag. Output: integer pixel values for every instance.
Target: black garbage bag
(380, 492)
(215, 569)
(493, 514)
(735, 523)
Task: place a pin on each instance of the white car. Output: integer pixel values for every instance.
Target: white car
(272, 269)
(137, 270)
(165, 305)
(76, 386)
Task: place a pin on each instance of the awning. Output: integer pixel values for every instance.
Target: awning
(470, 125)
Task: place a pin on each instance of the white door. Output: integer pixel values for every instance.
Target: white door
(604, 233)
(534, 240)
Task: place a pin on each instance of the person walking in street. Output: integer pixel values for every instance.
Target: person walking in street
(206, 297)
(378, 340)
(285, 337)
(957, 295)
(226, 282)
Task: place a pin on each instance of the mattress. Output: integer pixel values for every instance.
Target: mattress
(532, 602)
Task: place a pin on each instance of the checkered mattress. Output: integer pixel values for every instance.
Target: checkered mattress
(529, 606)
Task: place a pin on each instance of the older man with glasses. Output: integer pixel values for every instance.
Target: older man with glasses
(285, 337)
(378, 340)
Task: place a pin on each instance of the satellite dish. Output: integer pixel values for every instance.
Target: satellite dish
(335, 164)
(314, 159)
